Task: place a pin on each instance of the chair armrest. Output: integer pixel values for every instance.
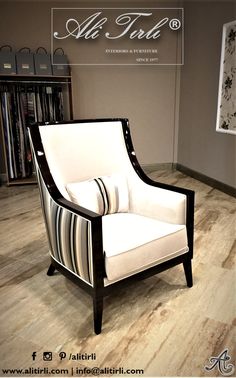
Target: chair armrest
(78, 210)
(162, 201)
(92, 233)
(165, 202)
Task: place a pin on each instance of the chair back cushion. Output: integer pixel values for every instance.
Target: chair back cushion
(81, 151)
(103, 195)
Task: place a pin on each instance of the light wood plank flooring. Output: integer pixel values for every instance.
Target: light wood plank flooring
(158, 325)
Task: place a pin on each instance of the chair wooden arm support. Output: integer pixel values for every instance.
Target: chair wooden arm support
(79, 210)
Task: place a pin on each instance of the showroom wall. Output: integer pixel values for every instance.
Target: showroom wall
(171, 110)
(200, 147)
(146, 95)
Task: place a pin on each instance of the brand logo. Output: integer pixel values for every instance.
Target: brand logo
(221, 362)
(91, 27)
(117, 36)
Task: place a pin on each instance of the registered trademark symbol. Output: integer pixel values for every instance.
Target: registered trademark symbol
(175, 24)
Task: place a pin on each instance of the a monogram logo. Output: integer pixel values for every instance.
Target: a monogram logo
(221, 363)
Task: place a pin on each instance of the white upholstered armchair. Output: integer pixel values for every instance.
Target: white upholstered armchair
(107, 223)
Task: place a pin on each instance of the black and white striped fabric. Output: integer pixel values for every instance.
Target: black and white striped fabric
(103, 195)
(69, 236)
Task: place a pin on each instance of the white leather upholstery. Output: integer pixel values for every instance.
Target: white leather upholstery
(133, 242)
(98, 146)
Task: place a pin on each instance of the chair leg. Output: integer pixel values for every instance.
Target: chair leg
(51, 270)
(188, 272)
(97, 314)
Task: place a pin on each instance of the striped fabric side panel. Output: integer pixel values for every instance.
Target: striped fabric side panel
(69, 235)
(45, 204)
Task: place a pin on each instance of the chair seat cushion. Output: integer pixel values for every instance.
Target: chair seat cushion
(133, 242)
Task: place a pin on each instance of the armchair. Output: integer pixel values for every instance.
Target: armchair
(107, 223)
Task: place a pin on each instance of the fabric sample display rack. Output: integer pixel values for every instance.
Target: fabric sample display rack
(24, 101)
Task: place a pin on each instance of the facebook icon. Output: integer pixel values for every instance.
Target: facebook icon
(34, 355)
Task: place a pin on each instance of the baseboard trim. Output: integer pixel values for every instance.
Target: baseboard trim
(207, 180)
(3, 178)
(149, 168)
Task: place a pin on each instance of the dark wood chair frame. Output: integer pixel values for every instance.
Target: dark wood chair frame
(99, 291)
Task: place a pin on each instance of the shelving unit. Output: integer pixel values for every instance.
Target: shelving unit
(14, 130)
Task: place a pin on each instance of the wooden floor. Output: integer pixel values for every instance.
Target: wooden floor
(158, 325)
